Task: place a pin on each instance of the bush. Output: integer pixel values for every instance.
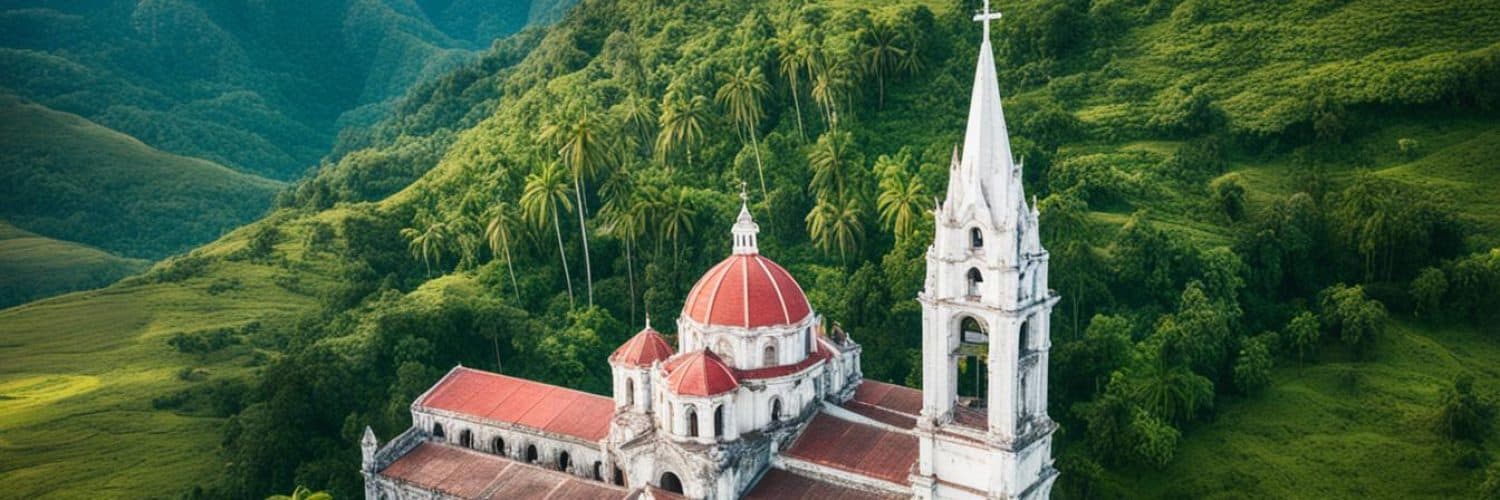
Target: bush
(221, 285)
(203, 342)
(1252, 368)
(1228, 197)
(1357, 320)
(1462, 415)
(262, 242)
(1427, 292)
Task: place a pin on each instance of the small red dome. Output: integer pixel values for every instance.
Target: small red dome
(747, 290)
(699, 373)
(643, 349)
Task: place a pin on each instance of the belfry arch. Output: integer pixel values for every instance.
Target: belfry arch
(972, 362)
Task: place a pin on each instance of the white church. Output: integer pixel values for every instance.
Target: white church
(760, 398)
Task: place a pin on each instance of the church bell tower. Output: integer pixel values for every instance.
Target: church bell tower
(985, 309)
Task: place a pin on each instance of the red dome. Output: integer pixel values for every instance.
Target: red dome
(700, 373)
(643, 349)
(747, 290)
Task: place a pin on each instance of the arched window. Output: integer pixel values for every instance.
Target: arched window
(531, 455)
(775, 409)
(1023, 341)
(808, 332)
(975, 279)
(976, 238)
(563, 461)
(719, 421)
(619, 477)
(598, 471)
(692, 421)
(629, 391)
(465, 438)
(769, 357)
(437, 430)
(497, 445)
(670, 482)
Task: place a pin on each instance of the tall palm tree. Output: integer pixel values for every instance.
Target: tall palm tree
(638, 114)
(1171, 391)
(675, 213)
(790, 56)
(902, 199)
(428, 241)
(624, 216)
(834, 223)
(584, 150)
(468, 239)
(546, 190)
(827, 91)
(881, 53)
(742, 95)
(498, 233)
(827, 159)
(682, 121)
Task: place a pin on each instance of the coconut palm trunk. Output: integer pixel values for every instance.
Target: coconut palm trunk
(588, 266)
(567, 277)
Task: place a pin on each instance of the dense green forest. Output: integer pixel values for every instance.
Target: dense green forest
(1274, 227)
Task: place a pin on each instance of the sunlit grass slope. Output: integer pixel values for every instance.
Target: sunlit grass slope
(33, 266)
(1335, 429)
(79, 373)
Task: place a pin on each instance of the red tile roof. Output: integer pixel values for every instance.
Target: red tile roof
(780, 484)
(467, 473)
(699, 373)
(548, 408)
(887, 403)
(746, 290)
(857, 448)
(643, 349)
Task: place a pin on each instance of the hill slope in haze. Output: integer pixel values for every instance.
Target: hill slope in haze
(1249, 211)
(261, 87)
(70, 179)
(32, 267)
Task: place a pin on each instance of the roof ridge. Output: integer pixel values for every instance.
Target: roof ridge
(786, 315)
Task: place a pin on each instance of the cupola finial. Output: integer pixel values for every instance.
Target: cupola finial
(745, 228)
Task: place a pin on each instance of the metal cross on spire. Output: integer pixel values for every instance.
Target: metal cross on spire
(985, 16)
(744, 195)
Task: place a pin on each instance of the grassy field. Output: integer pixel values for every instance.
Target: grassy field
(1338, 428)
(33, 266)
(79, 372)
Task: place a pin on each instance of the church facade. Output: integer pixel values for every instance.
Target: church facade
(761, 398)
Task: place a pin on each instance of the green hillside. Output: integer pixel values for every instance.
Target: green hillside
(32, 267)
(70, 179)
(262, 87)
(1272, 225)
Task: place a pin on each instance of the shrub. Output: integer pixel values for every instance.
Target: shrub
(1252, 368)
(1409, 147)
(1427, 292)
(203, 342)
(1357, 320)
(1228, 197)
(1462, 414)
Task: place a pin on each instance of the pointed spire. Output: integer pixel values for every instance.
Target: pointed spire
(984, 174)
(745, 228)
